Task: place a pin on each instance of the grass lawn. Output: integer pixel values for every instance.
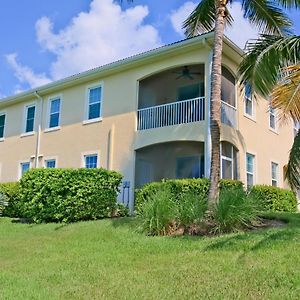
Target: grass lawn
(109, 259)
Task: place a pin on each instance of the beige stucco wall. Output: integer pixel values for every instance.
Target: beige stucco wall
(115, 138)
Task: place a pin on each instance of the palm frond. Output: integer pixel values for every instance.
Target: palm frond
(292, 170)
(289, 3)
(202, 19)
(265, 59)
(267, 16)
(286, 94)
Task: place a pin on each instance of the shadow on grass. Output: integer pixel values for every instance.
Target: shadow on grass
(131, 223)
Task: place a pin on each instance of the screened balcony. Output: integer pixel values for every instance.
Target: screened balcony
(172, 97)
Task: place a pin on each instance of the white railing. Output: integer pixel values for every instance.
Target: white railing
(180, 112)
(228, 114)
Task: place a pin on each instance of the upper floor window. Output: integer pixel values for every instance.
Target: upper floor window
(248, 101)
(250, 161)
(228, 87)
(94, 102)
(296, 128)
(2, 125)
(272, 118)
(54, 113)
(228, 161)
(91, 161)
(24, 167)
(274, 171)
(29, 118)
(50, 163)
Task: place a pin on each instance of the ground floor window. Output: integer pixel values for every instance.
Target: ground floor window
(274, 171)
(250, 169)
(24, 166)
(189, 167)
(50, 163)
(91, 161)
(228, 161)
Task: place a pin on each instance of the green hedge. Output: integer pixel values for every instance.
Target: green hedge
(68, 195)
(179, 188)
(10, 192)
(274, 199)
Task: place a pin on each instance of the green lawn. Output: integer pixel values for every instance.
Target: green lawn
(109, 259)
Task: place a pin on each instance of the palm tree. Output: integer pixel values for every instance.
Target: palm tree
(272, 67)
(268, 17)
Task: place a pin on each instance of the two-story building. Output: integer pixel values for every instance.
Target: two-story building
(147, 117)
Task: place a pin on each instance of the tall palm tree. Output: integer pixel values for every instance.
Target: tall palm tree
(268, 17)
(272, 67)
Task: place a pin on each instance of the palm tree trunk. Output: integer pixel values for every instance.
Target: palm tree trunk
(215, 104)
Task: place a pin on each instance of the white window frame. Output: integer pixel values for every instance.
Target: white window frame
(20, 166)
(3, 113)
(26, 107)
(277, 173)
(90, 153)
(50, 99)
(254, 168)
(228, 159)
(253, 116)
(274, 114)
(87, 95)
(46, 159)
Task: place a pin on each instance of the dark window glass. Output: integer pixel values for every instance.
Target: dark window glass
(30, 119)
(2, 125)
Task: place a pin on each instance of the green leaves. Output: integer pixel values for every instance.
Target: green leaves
(267, 16)
(292, 172)
(264, 60)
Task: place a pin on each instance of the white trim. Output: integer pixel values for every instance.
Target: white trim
(20, 166)
(86, 105)
(49, 101)
(25, 111)
(3, 113)
(96, 120)
(274, 130)
(254, 174)
(25, 134)
(277, 173)
(47, 158)
(52, 129)
(88, 153)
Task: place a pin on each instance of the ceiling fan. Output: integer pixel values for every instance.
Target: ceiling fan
(186, 73)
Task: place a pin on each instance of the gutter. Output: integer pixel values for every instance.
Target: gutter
(38, 137)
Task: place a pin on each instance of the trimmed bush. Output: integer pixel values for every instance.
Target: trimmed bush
(68, 195)
(10, 191)
(272, 198)
(235, 210)
(226, 184)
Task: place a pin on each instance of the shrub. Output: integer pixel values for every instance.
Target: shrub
(274, 199)
(235, 210)
(226, 184)
(178, 188)
(10, 192)
(68, 195)
(159, 212)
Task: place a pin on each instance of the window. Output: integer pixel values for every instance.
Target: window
(54, 113)
(228, 161)
(250, 169)
(274, 170)
(248, 101)
(272, 118)
(94, 102)
(228, 87)
(29, 122)
(91, 161)
(188, 167)
(2, 125)
(50, 163)
(25, 166)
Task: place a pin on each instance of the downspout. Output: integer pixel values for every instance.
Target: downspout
(38, 137)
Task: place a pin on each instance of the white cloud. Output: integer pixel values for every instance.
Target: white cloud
(240, 32)
(103, 34)
(25, 74)
(178, 16)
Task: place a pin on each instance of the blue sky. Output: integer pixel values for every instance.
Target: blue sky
(44, 41)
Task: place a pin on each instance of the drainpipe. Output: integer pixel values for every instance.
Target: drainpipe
(38, 137)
